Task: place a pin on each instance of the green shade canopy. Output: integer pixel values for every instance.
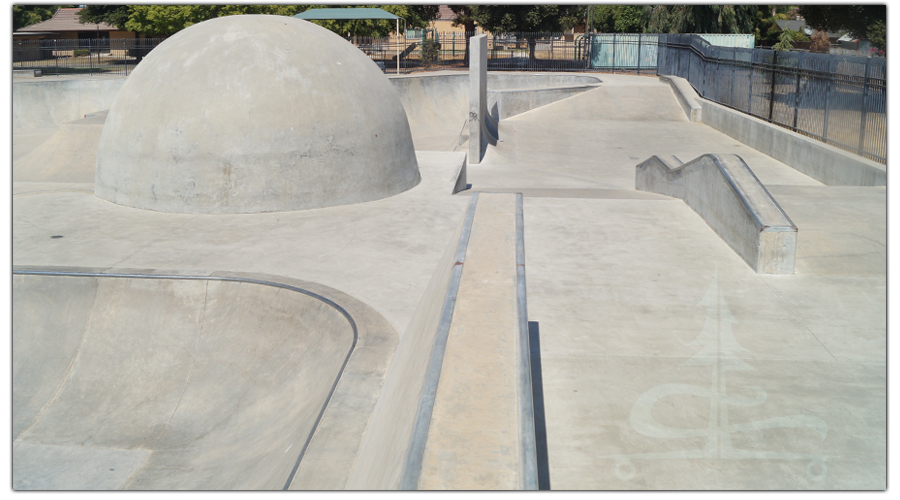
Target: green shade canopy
(345, 14)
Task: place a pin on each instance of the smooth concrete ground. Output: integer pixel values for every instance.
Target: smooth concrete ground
(667, 362)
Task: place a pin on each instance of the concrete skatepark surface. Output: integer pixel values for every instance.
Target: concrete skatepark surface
(667, 362)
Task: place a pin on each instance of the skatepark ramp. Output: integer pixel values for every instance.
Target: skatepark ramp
(43, 104)
(730, 198)
(137, 381)
(437, 104)
(69, 155)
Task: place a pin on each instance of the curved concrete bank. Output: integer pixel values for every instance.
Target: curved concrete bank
(46, 103)
(69, 155)
(724, 191)
(176, 382)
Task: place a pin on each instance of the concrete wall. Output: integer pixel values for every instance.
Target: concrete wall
(825, 163)
(479, 121)
(178, 384)
(727, 195)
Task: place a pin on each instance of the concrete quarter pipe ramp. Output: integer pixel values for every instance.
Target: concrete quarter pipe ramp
(151, 382)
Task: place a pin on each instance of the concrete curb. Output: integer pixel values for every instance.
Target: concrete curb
(728, 196)
(686, 95)
(528, 475)
(413, 467)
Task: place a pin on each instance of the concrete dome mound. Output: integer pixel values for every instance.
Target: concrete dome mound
(249, 114)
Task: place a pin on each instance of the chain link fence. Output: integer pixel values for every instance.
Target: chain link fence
(840, 100)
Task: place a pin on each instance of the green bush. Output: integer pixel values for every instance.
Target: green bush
(82, 52)
(430, 50)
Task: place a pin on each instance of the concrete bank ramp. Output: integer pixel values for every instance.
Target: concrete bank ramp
(437, 105)
(162, 383)
(44, 103)
(69, 155)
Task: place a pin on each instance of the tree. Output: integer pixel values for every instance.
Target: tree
(26, 15)
(787, 38)
(617, 18)
(113, 15)
(527, 19)
(861, 21)
(820, 42)
(465, 18)
(156, 20)
(699, 18)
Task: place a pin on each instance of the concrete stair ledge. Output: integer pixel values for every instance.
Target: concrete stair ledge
(730, 198)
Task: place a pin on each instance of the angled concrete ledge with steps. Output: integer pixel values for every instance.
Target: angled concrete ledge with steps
(728, 196)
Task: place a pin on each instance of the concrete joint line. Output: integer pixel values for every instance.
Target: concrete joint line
(528, 479)
(91, 274)
(415, 456)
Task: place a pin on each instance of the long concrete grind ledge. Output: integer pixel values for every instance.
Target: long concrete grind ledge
(728, 196)
(474, 427)
(209, 382)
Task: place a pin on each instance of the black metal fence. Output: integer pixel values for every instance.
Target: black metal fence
(117, 56)
(515, 52)
(840, 100)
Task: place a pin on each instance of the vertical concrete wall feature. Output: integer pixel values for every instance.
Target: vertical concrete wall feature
(480, 124)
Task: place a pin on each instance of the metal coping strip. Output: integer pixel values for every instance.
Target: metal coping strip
(331, 303)
(528, 478)
(416, 453)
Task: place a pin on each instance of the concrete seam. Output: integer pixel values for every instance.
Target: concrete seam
(193, 364)
(416, 453)
(148, 245)
(314, 295)
(786, 305)
(65, 378)
(528, 479)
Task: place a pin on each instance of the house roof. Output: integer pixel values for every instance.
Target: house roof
(445, 13)
(800, 25)
(64, 20)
